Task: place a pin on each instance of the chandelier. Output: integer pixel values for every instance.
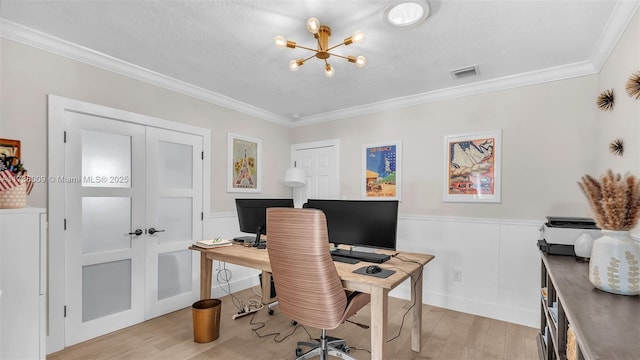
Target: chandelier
(323, 51)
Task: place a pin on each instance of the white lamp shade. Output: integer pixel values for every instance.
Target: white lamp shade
(294, 177)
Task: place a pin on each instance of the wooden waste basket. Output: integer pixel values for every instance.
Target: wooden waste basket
(206, 320)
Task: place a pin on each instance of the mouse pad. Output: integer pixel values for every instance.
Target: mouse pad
(382, 274)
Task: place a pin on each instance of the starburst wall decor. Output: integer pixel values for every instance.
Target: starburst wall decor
(617, 147)
(633, 85)
(606, 100)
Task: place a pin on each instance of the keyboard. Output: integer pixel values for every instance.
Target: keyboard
(361, 255)
(344, 259)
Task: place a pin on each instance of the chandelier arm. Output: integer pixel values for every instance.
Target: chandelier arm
(306, 48)
(340, 56)
(335, 46)
(310, 57)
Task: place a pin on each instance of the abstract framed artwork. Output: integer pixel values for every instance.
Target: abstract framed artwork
(472, 167)
(244, 156)
(381, 173)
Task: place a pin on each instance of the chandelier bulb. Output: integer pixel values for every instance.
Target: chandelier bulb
(361, 61)
(328, 70)
(357, 37)
(313, 25)
(280, 41)
(294, 65)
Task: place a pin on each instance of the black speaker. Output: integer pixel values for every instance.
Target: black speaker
(273, 288)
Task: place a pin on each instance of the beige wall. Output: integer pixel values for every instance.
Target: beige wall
(552, 133)
(624, 120)
(28, 75)
(548, 135)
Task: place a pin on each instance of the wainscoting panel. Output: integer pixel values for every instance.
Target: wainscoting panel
(487, 267)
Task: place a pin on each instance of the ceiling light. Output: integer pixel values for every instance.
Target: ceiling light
(322, 33)
(406, 13)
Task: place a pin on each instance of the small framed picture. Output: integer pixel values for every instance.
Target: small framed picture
(244, 155)
(10, 147)
(381, 173)
(472, 167)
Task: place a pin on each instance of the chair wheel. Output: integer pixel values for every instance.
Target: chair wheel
(270, 312)
(294, 323)
(298, 352)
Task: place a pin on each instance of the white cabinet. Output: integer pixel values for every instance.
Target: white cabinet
(23, 283)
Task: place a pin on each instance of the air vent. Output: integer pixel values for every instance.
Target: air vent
(465, 72)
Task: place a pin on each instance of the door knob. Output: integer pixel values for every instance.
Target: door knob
(153, 231)
(138, 232)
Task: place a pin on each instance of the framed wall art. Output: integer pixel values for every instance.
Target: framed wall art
(381, 173)
(472, 167)
(10, 147)
(244, 156)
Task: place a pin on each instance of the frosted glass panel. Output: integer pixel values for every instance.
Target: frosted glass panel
(174, 216)
(175, 166)
(106, 289)
(106, 222)
(106, 159)
(174, 273)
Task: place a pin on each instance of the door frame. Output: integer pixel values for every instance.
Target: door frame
(57, 108)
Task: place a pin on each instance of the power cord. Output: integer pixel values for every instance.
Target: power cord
(274, 334)
(223, 277)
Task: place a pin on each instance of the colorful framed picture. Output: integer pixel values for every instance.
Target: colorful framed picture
(244, 155)
(9, 147)
(472, 167)
(381, 173)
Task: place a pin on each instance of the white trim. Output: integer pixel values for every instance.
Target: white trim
(621, 15)
(25, 35)
(57, 107)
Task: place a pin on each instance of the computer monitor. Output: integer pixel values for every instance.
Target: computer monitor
(252, 215)
(368, 223)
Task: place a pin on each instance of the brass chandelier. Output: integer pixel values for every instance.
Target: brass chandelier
(323, 51)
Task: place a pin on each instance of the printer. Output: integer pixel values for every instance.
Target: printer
(558, 234)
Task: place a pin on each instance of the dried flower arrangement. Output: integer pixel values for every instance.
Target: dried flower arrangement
(614, 200)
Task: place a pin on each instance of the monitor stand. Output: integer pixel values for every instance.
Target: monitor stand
(363, 249)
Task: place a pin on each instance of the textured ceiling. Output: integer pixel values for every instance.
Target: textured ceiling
(226, 47)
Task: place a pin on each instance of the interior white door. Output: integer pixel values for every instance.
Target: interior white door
(321, 165)
(174, 212)
(105, 202)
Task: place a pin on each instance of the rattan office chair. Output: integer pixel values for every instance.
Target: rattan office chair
(307, 284)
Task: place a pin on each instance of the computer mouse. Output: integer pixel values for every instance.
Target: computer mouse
(373, 269)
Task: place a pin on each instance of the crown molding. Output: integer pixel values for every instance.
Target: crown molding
(28, 36)
(504, 83)
(622, 14)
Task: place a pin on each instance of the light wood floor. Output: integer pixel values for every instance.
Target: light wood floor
(446, 335)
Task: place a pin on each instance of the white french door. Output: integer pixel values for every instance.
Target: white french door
(174, 211)
(133, 206)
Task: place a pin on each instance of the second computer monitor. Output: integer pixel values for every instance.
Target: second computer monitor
(369, 223)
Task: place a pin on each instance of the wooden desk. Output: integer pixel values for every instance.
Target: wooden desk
(378, 287)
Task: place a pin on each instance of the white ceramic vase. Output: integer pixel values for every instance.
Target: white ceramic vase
(583, 246)
(615, 263)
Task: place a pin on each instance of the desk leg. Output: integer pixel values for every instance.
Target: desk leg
(379, 312)
(416, 329)
(205, 276)
(266, 287)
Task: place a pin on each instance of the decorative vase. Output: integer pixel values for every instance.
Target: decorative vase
(615, 263)
(583, 246)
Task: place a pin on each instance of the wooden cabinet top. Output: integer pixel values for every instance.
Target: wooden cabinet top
(607, 326)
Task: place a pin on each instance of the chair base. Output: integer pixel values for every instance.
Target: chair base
(324, 347)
